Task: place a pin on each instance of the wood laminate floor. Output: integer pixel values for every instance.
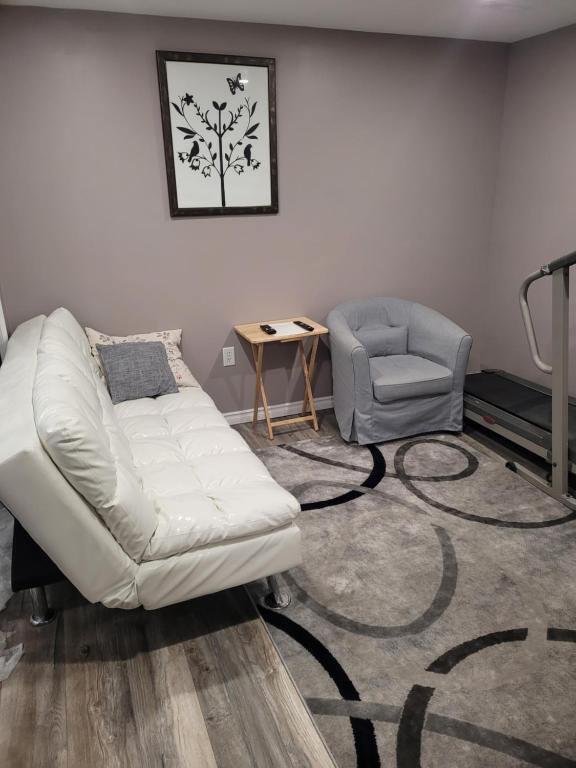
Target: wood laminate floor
(258, 437)
(199, 685)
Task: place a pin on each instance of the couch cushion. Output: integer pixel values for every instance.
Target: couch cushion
(78, 428)
(136, 369)
(383, 340)
(170, 339)
(207, 485)
(395, 377)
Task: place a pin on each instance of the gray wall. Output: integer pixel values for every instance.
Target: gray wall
(535, 211)
(399, 204)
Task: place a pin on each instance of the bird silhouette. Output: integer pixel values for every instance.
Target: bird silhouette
(194, 150)
(248, 154)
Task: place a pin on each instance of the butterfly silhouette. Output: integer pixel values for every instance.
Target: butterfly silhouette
(235, 85)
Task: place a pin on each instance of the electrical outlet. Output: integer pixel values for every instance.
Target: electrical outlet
(228, 356)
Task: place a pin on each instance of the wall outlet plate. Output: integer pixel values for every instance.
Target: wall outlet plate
(228, 356)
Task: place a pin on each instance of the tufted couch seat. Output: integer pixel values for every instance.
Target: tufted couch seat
(207, 485)
(148, 502)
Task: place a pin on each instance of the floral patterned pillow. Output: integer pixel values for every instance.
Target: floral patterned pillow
(170, 339)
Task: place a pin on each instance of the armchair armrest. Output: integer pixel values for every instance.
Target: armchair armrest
(435, 337)
(352, 385)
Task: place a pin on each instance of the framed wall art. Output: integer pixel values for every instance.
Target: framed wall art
(219, 125)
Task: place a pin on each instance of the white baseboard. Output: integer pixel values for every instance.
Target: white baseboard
(277, 411)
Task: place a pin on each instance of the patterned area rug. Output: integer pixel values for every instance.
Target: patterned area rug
(433, 622)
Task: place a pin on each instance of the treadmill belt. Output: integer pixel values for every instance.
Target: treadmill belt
(518, 400)
(523, 402)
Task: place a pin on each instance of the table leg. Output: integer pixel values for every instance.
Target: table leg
(258, 352)
(308, 386)
(311, 367)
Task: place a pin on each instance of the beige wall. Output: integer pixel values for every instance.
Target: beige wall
(535, 211)
(393, 200)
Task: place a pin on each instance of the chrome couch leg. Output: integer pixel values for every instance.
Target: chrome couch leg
(278, 597)
(41, 611)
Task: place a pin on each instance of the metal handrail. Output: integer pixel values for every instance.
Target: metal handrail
(527, 316)
(560, 263)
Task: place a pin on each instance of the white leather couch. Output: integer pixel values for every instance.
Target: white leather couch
(149, 502)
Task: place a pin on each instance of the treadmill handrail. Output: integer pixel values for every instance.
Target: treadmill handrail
(527, 316)
(560, 263)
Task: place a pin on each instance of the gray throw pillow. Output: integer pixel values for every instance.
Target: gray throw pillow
(136, 369)
(384, 340)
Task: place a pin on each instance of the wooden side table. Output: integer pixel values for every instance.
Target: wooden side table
(258, 339)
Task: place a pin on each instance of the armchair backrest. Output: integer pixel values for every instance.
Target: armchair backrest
(430, 334)
(369, 313)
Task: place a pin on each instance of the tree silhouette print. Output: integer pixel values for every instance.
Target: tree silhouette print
(203, 156)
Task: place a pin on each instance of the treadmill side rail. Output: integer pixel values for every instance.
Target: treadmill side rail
(543, 485)
(560, 335)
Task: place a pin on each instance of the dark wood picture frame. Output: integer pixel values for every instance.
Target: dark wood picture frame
(162, 57)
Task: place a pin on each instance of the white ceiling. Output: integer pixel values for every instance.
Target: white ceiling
(502, 20)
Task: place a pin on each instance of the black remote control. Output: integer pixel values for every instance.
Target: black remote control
(268, 329)
(303, 325)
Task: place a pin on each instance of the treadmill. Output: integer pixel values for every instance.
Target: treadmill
(536, 418)
(518, 410)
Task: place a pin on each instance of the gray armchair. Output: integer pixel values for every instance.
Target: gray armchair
(398, 369)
